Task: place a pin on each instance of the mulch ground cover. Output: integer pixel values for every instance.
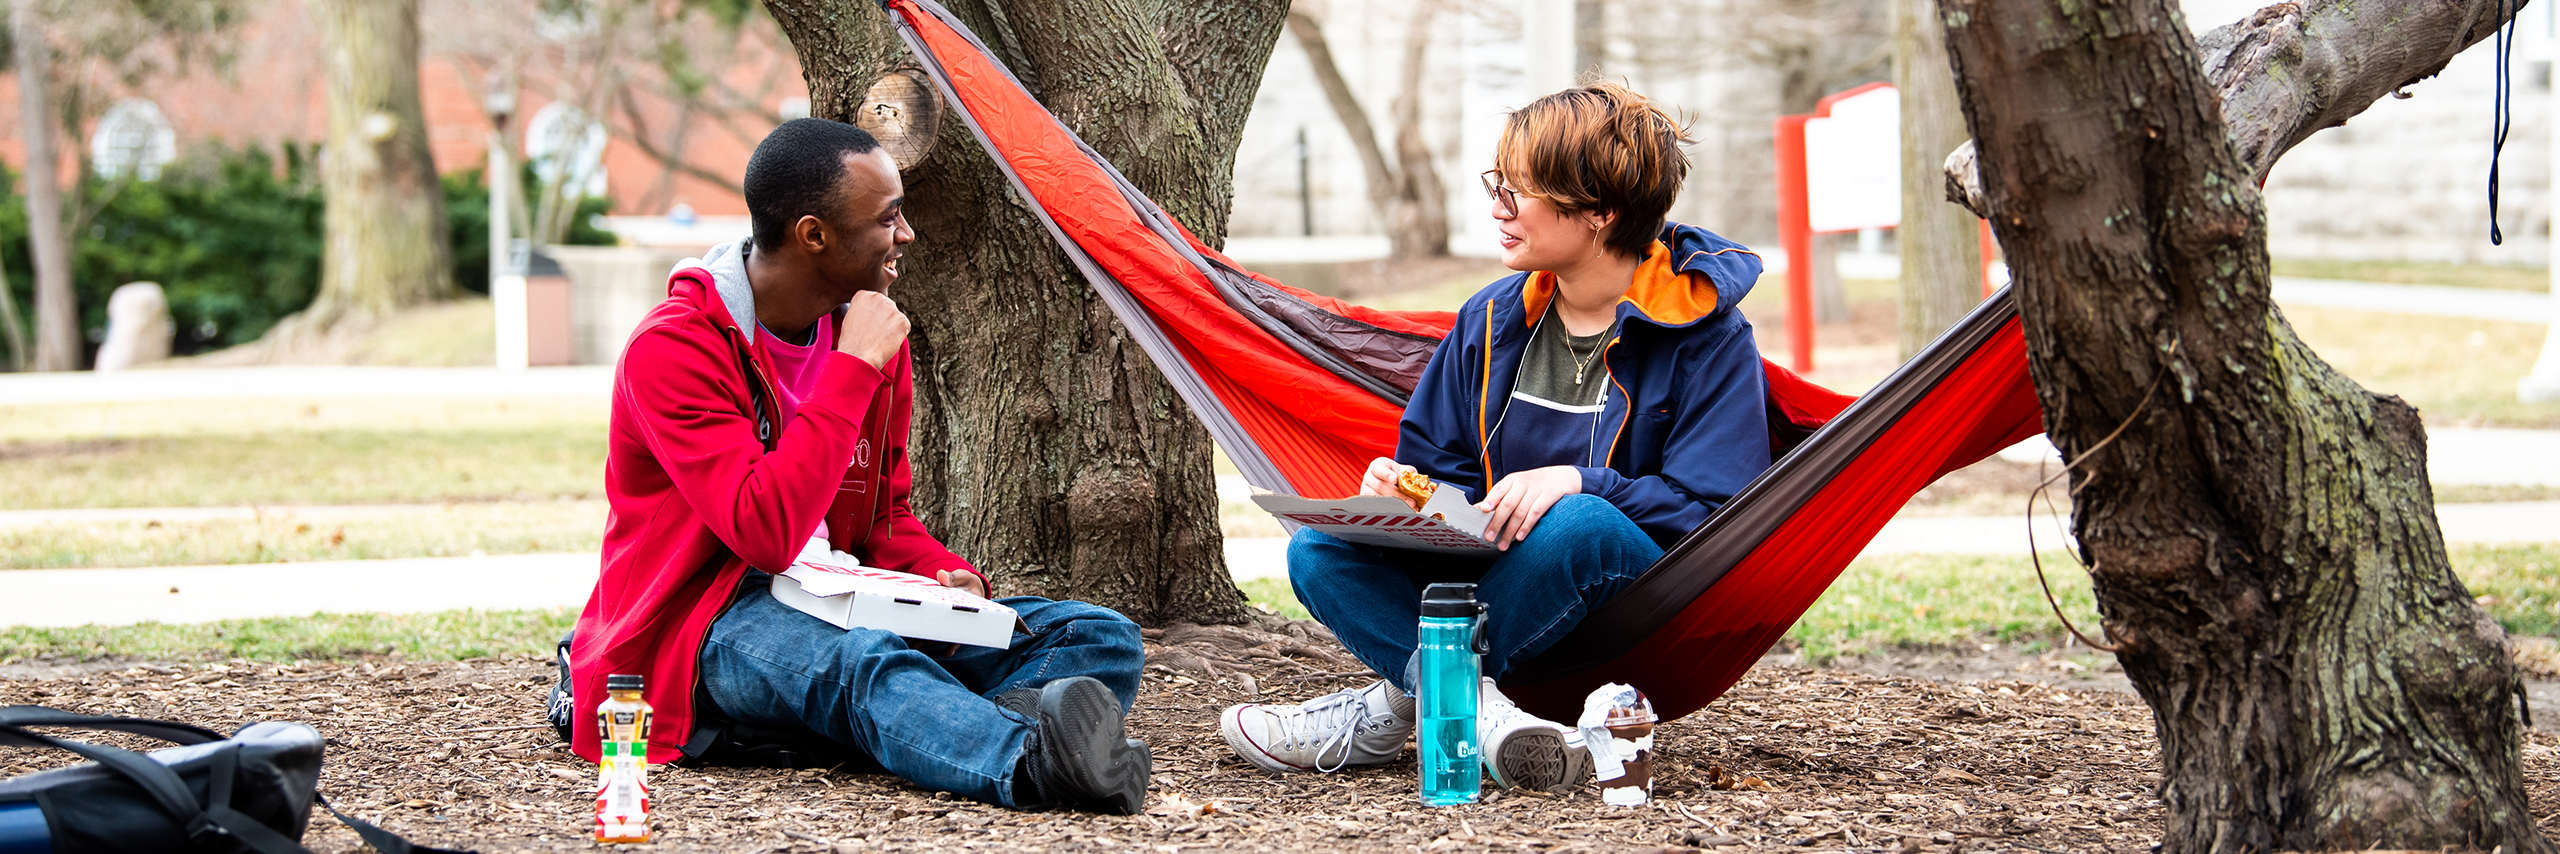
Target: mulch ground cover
(453, 754)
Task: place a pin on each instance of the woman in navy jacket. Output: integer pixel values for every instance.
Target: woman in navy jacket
(1598, 405)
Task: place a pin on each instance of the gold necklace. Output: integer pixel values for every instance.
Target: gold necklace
(1596, 350)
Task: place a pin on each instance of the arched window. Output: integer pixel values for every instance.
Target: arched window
(133, 139)
(561, 137)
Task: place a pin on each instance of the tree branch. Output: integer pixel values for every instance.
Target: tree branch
(638, 136)
(2291, 70)
(1346, 109)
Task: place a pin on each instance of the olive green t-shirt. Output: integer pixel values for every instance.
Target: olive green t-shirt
(1547, 369)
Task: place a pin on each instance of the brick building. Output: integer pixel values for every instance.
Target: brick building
(270, 92)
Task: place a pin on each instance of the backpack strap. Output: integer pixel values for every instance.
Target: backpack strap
(203, 823)
(169, 731)
(383, 841)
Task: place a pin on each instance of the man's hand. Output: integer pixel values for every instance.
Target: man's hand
(968, 581)
(1380, 479)
(1521, 499)
(873, 330)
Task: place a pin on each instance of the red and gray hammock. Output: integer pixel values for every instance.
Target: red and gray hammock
(1301, 391)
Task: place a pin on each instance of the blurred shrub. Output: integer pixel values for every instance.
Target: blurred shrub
(233, 239)
(233, 236)
(466, 209)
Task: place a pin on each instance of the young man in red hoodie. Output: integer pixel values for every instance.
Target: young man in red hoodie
(765, 403)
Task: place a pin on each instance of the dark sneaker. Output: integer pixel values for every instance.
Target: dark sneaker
(1020, 701)
(1081, 755)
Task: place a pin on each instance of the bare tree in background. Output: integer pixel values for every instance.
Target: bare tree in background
(656, 76)
(2260, 530)
(693, 47)
(384, 227)
(1800, 50)
(57, 313)
(1590, 39)
(1407, 193)
(71, 58)
(1940, 243)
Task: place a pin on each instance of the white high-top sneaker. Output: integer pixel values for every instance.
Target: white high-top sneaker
(1524, 750)
(1365, 726)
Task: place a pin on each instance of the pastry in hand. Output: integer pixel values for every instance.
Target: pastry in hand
(1415, 488)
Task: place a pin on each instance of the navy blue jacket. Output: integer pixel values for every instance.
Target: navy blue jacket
(1684, 424)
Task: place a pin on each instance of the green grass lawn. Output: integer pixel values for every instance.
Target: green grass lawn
(313, 467)
(2499, 276)
(446, 635)
(197, 453)
(453, 530)
(2457, 372)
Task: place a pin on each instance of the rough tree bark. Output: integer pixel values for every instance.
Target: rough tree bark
(2262, 534)
(384, 227)
(1940, 243)
(1047, 448)
(57, 310)
(1407, 194)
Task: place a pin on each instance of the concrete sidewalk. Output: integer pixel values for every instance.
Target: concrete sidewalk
(197, 594)
(192, 594)
(302, 381)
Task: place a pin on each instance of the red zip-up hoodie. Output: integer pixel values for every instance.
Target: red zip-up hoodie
(701, 488)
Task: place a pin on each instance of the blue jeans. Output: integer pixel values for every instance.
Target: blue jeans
(1581, 553)
(921, 710)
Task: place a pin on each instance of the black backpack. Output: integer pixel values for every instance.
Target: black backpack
(717, 740)
(251, 792)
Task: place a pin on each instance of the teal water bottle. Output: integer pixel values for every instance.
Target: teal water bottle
(1447, 658)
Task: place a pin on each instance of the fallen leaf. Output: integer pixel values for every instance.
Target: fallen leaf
(1178, 806)
(1725, 781)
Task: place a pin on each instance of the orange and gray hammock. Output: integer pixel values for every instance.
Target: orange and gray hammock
(1301, 391)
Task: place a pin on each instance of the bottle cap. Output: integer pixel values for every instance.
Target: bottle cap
(1451, 600)
(622, 682)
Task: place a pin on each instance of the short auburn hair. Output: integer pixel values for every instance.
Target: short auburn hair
(1602, 148)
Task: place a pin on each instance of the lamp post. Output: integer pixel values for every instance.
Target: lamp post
(506, 272)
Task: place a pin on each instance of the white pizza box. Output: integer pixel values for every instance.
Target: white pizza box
(1446, 523)
(834, 586)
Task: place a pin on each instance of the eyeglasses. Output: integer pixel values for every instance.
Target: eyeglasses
(1506, 201)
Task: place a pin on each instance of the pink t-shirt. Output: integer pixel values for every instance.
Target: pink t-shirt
(795, 368)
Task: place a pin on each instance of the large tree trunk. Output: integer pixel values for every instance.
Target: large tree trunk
(1410, 201)
(385, 230)
(57, 309)
(1047, 448)
(1940, 243)
(2262, 534)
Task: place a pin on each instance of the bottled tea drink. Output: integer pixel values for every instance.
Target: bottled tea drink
(622, 793)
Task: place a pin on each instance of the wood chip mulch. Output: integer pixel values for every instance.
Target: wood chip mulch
(454, 754)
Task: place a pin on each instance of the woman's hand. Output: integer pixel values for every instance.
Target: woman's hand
(968, 581)
(1521, 499)
(1380, 479)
